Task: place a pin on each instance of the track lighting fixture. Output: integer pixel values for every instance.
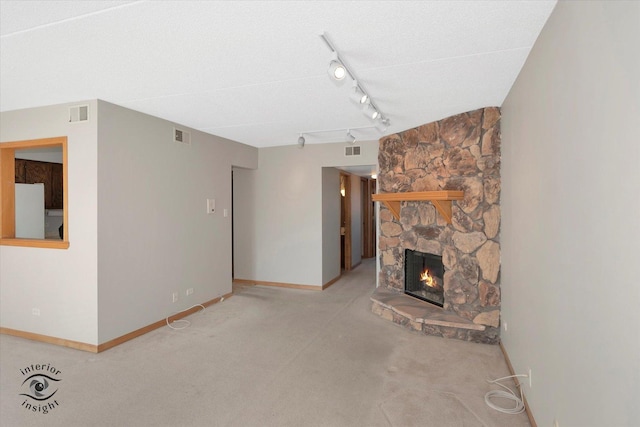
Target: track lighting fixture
(371, 112)
(358, 95)
(351, 138)
(363, 98)
(338, 70)
(382, 125)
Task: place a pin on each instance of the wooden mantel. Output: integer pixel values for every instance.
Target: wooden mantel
(440, 199)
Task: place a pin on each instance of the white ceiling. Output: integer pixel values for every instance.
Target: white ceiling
(255, 72)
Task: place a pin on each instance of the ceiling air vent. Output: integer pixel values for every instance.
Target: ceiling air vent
(352, 150)
(181, 136)
(78, 113)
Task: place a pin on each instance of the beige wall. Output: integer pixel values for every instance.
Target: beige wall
(330, 224)
(61, 283)
(138, 227)
(244, 225)
(40, 155)
(571, 217)
(154, 234)
(287, 221)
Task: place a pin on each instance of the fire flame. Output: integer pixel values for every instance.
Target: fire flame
(428, 279)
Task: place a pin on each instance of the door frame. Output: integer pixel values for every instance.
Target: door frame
(345, 179)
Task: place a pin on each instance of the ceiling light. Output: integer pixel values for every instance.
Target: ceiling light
(358, 94)
(382, 124)
(332, 137)
(371, 112)
(364, 98)
(351, 138)
(337, 70)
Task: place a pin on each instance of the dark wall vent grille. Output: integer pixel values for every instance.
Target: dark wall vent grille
(353, 150)
(181, 136)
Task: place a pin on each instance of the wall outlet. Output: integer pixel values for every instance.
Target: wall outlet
(530, 383)
(175, 296)
(35, 311)
(189, 291)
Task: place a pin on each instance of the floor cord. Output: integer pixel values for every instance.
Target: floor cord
(185, 322)
(506, 394)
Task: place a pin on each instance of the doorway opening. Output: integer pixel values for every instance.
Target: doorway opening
(357, 218)
(345, 223)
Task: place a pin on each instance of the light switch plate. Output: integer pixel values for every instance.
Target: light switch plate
(211, 206)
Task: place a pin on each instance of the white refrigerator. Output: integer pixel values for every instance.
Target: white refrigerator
(30, 211)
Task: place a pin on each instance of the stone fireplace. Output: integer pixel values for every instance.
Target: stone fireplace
(461, 152)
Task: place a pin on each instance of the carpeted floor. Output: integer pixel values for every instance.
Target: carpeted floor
(267, 357)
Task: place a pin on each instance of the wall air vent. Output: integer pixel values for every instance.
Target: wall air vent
(181, 136)
(352, 150)
(78, 113)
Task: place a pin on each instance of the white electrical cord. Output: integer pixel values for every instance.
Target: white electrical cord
(183, 320)
(509, 395)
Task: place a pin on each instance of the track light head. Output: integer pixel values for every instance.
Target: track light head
(337, 70)
(381, 126)
(382, 123)
(359, 95)
(301, 141)
(371, 112)
(350, 137)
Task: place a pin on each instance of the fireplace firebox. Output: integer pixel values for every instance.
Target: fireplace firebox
(423, 276)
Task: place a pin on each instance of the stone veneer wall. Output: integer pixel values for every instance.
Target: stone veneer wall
(461, 152)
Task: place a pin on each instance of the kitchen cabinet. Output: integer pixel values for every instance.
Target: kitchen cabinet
(50, 174)
(20, 165)
(56, 186)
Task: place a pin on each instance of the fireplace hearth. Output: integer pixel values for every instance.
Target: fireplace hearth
(423, 276)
